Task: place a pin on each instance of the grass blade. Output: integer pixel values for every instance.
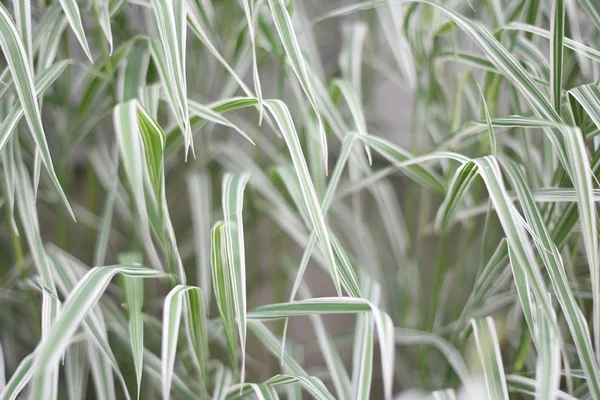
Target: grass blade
(134, 295)
(488, 348)
(71, 10)
(285, 29)
(233, 203)
(170, 18)
(336, 305)
(84, 296)
(17, 60)
(556, 52)
(283, 118)
(195, 330)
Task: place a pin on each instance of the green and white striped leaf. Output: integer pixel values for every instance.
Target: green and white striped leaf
(19, 378)
(71, 10)
(77, 370)
(134, 295)
(223, 290)
(333, 305)
(200, 194)
(17, 60)
(285, 29)
(283, 118)
(488, 348)
(581, 174)
(554, 265)
(250, 16)
(362, 354)
(195, 322)
(273, 345)
(170, 18)
(581, 48)
(102, 9)
(548, 362)
(42, 82)
(22, 10)
(233, 204)
(556, 52)
(81, 299)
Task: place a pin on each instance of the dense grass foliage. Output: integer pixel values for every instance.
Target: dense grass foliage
(207, 199)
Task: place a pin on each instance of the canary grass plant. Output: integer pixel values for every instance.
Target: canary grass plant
(206, 200)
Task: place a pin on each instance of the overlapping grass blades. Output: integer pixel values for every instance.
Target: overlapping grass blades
(498, 275)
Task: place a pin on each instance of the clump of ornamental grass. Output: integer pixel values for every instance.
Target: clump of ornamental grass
(212, 199)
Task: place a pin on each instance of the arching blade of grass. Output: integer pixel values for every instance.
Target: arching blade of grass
(581, 48)
(84, 296)
(352, 289)
(170, 18)
(353, 102)
(283, 118)
(71, 10)
(554, 265)
(25, 199)
(396, 154)
(528, 386)
(333, 305)
(198, 30)
(19, 378)
(589, 98)
(196, 331)
(190, 298)
(285, 29)
(211, 112)
(477, 128)
(333, 360)
(523, 260)
(459, 185)
(42, 82)
(17, 60)
(208, 114)
(67, 271)
(488, 348)
(266, 389)
(273, 345)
